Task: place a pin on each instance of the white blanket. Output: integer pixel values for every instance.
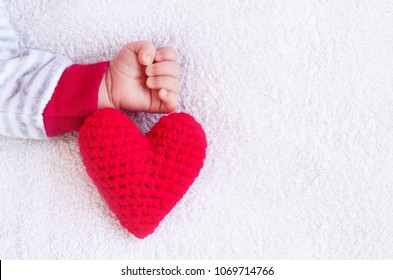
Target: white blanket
(296, 98)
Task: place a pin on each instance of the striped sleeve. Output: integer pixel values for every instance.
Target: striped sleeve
(9, 45)
(27, 80)
(42, 94)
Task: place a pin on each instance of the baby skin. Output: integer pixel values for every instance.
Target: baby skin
(141, 78)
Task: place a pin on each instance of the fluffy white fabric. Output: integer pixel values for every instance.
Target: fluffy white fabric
(296, 98)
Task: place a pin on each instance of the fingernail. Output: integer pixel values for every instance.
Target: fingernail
(150, 82)
(147, 71)
(148, 58)
(165, 92)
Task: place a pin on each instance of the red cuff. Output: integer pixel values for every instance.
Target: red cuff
(75, 98)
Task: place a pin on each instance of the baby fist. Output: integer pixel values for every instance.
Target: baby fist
(142, 78)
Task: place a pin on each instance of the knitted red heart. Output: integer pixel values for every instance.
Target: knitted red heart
(141, 178)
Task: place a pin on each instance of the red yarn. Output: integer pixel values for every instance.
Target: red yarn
(141, 178)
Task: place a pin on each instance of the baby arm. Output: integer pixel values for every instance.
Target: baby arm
(138, 78)
(44, 95)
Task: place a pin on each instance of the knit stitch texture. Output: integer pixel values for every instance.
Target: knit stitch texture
(141, 178)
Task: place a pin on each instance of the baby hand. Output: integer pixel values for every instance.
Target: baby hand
(141, 78)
